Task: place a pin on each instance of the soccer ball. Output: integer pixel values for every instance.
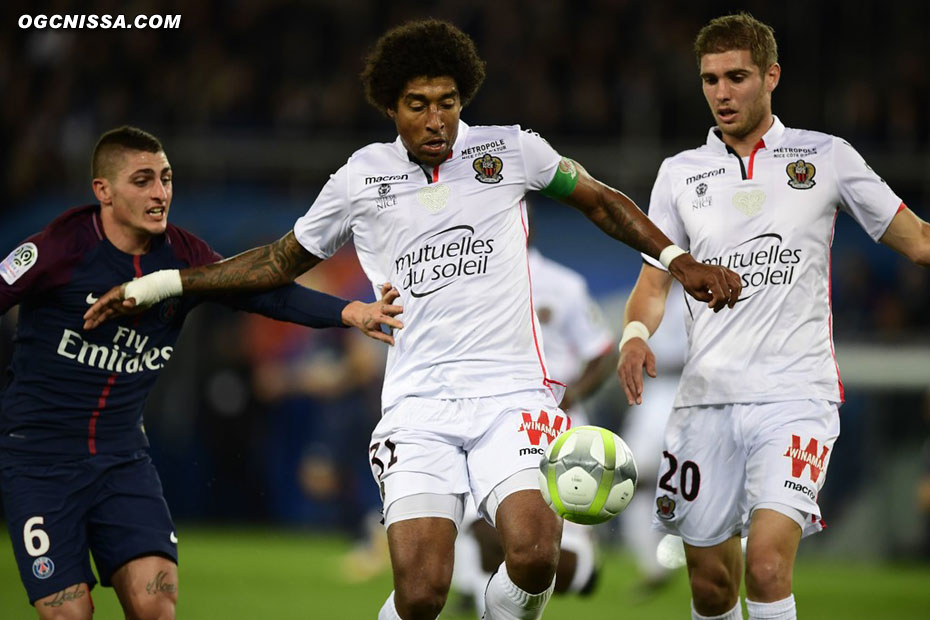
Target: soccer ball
(587, 475)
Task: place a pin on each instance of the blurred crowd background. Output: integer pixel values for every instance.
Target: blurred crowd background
(257, 102)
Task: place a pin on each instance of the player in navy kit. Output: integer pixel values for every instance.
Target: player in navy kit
(74, 472)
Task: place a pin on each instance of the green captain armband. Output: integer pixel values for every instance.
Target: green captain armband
(564, 181)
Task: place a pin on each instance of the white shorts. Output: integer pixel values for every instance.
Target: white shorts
(467, 445)
(721, 462)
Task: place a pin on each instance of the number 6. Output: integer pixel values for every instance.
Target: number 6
(36, 540)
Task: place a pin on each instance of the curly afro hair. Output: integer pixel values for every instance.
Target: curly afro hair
(430, 48)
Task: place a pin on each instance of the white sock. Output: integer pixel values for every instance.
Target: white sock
(734, 614)
(479, 594)
(388, 611)
(505, 600)
(784, 609)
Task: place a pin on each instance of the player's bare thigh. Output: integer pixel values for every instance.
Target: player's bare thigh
(71, 603)
(530, 534)
(770, 553)
(421, 560)
(147, 588)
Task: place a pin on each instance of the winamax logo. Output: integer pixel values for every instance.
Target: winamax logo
(535, 429)
(807, 457)
(761, 261)
(444, 258)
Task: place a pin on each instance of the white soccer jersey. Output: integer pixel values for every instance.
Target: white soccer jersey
(770, 218)
(573, 328)
(452, 239)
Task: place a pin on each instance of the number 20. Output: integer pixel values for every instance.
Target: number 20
(689, 479)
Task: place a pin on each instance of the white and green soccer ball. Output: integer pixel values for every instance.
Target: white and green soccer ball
(587, 475)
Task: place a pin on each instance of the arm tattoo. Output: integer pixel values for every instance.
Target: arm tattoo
(64, 596)
(619, 217)
(265, 267)
(159, 584)
(615, 214)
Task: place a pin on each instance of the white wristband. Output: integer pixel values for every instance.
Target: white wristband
(151, 289)
(669, 254)
(634, 329)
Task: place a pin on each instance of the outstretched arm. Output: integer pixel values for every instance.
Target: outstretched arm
(619, 217)
(304, 306)
(909, 235)
(644, 311)
(259, 269)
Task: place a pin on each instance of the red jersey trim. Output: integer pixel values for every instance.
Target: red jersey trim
(752, 157)
(542, 364)
(436, 168)
(101, 403)
(98, 226)
(836, 365)
(105, 392)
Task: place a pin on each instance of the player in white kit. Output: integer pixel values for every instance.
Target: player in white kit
(580, 353)
(749, 441)
(467, 403)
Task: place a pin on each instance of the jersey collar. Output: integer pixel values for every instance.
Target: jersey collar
(772, 138)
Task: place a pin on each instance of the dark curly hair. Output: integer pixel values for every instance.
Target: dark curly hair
(430, 48)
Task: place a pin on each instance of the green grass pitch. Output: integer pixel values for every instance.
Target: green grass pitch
(248, 574)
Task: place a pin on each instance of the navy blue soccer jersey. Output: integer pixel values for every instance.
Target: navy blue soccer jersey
(76, 392)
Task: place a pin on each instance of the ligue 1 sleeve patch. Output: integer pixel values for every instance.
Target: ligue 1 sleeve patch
(19, 262)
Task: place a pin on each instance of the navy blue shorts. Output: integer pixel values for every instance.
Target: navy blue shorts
(109, 505)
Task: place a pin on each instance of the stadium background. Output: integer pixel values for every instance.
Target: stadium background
(262, 425)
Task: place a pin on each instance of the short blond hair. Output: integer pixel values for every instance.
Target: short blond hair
(741, 31)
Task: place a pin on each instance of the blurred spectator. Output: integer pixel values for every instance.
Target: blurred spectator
(608, 70)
